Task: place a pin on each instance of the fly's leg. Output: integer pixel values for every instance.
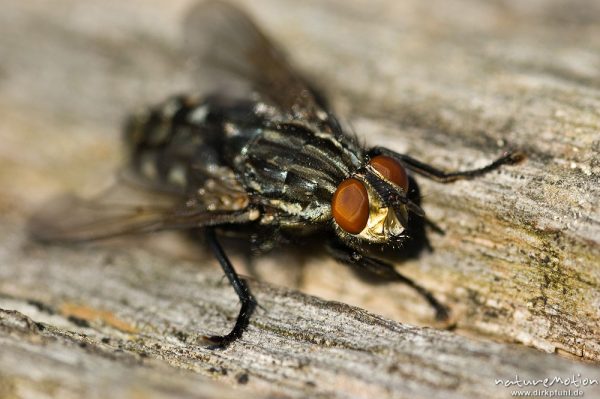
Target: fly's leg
(385, 272)
(440, 176)
(241, 289)
(433, 226)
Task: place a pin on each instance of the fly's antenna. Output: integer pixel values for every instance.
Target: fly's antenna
(390, 195)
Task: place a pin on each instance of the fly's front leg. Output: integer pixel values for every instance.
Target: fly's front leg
(241, 289)
(447, 177)
(385, 272)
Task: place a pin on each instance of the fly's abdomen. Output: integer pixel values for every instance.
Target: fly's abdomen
(164, 141)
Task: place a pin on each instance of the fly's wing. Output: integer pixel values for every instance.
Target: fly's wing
(125, 209)
(229, 51)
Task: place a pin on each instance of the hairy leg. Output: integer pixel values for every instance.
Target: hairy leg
(447, 177)
(241, 289)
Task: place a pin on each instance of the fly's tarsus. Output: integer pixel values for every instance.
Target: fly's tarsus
(248, 303)
(441, 176)
(387, 273)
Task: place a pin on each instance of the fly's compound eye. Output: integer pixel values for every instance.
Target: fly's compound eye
(391, 170)
(350, 206)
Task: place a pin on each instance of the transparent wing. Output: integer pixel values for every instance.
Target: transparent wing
(124, 209)
(230, 53)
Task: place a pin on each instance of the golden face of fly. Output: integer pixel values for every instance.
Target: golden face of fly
(359, 210)
(383, 224)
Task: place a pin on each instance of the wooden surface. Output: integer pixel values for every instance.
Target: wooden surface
(452, 83)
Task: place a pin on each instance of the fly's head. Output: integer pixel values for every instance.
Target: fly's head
(372, 206)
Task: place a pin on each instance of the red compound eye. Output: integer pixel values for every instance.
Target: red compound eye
(350, 205)
(391, 170)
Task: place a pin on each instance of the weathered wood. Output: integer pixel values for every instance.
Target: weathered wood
(454, 84)
(37, 361)
(134, 309)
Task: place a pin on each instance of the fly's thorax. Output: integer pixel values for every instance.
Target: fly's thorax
(293, 170)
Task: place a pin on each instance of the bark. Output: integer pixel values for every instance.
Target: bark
(451, 83)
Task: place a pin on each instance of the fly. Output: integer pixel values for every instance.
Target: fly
(263, 156)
